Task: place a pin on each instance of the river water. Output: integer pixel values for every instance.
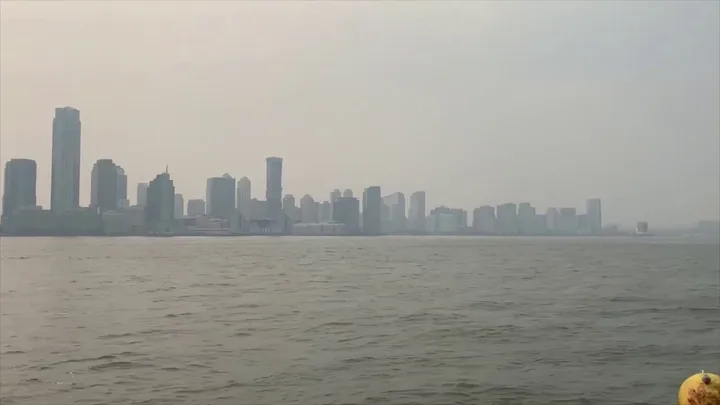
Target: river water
(386, 320)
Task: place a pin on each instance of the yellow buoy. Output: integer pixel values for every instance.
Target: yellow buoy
(700, 389)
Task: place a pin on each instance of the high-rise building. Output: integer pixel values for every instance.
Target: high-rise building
(372, 206)
(324, 211)
(335, 195)
(123, 201)
(196, 207)
(416, 217)
(142, 194)
(594, 216)
(347, 193)
(484, 220)
(347, 211)
(289, 209)
(507, 219)
(179, 206)
(104, 186)
(552, 220)
(65, 178)
(244, 197)
(220, 196)
(19, 188)
(308, 210)
(273, 187)
(160, 208)
(567, 221)
(526, 219)
(396, 217)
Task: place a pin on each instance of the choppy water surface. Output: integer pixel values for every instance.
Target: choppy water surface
(355, 321)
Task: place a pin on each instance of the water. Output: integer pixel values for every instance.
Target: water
(355, 321)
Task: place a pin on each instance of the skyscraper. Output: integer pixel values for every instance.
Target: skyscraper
(372, 205)
(507, 219)
(273, 187)
(123, 201)
(220, 197)
(142, 194)
(19, 189)
(416, 215)
(244, 197)
(159, 211)
(179, 206)
(347, 211)
(484, 220)
(65, 178)
(104, 186)
(347, 193)
(594, 216)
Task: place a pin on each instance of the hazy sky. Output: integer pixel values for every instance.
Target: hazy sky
(474, 102)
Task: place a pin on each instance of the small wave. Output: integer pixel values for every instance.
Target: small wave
(119, 365)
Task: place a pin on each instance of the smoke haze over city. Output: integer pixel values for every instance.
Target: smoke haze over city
(473, 102)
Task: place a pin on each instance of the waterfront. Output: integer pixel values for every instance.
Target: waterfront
(387, 320)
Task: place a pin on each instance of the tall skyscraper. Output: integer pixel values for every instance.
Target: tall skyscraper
(594, 216)
(104, 186)
(347, 211)
(196, 207)
(372, 205)
(244, 197)
(65, 178)
(142, 194)
(123, 201)
(220, 197)
(20, 187)
(347, 193)
(179, 206)
(417, 214)
(273, 187)
(159, 211)
(526, 219)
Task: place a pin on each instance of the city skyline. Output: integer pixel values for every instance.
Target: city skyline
(471, 115)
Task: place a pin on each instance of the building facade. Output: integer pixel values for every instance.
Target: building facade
(220, 197)
(20, 185)
(372, 207)
(65, 176)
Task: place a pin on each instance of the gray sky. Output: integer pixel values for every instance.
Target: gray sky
(474, 102)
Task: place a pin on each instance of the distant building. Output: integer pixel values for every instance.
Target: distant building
(308, 210)
(19, 189)
(123, 201)
(442, 222)
(396, 215)
(347, 211)
(196, 207)
(104, 186)
(334, 196)
(372, 205)
(142, 194)
(416, 217)
(324, 211)
(526, 219)
(552, 220)
(594, 216)
(179, 206)
(291, 211)
(484, 220)
(65, 178)
(567, 221)
(160, 208)
(347, 193)
(244, 196)
(273, 188)
(459, 215)
(220, 197)
(641, 228)
(507, 219)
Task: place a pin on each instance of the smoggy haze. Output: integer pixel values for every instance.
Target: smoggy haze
(474, 102)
